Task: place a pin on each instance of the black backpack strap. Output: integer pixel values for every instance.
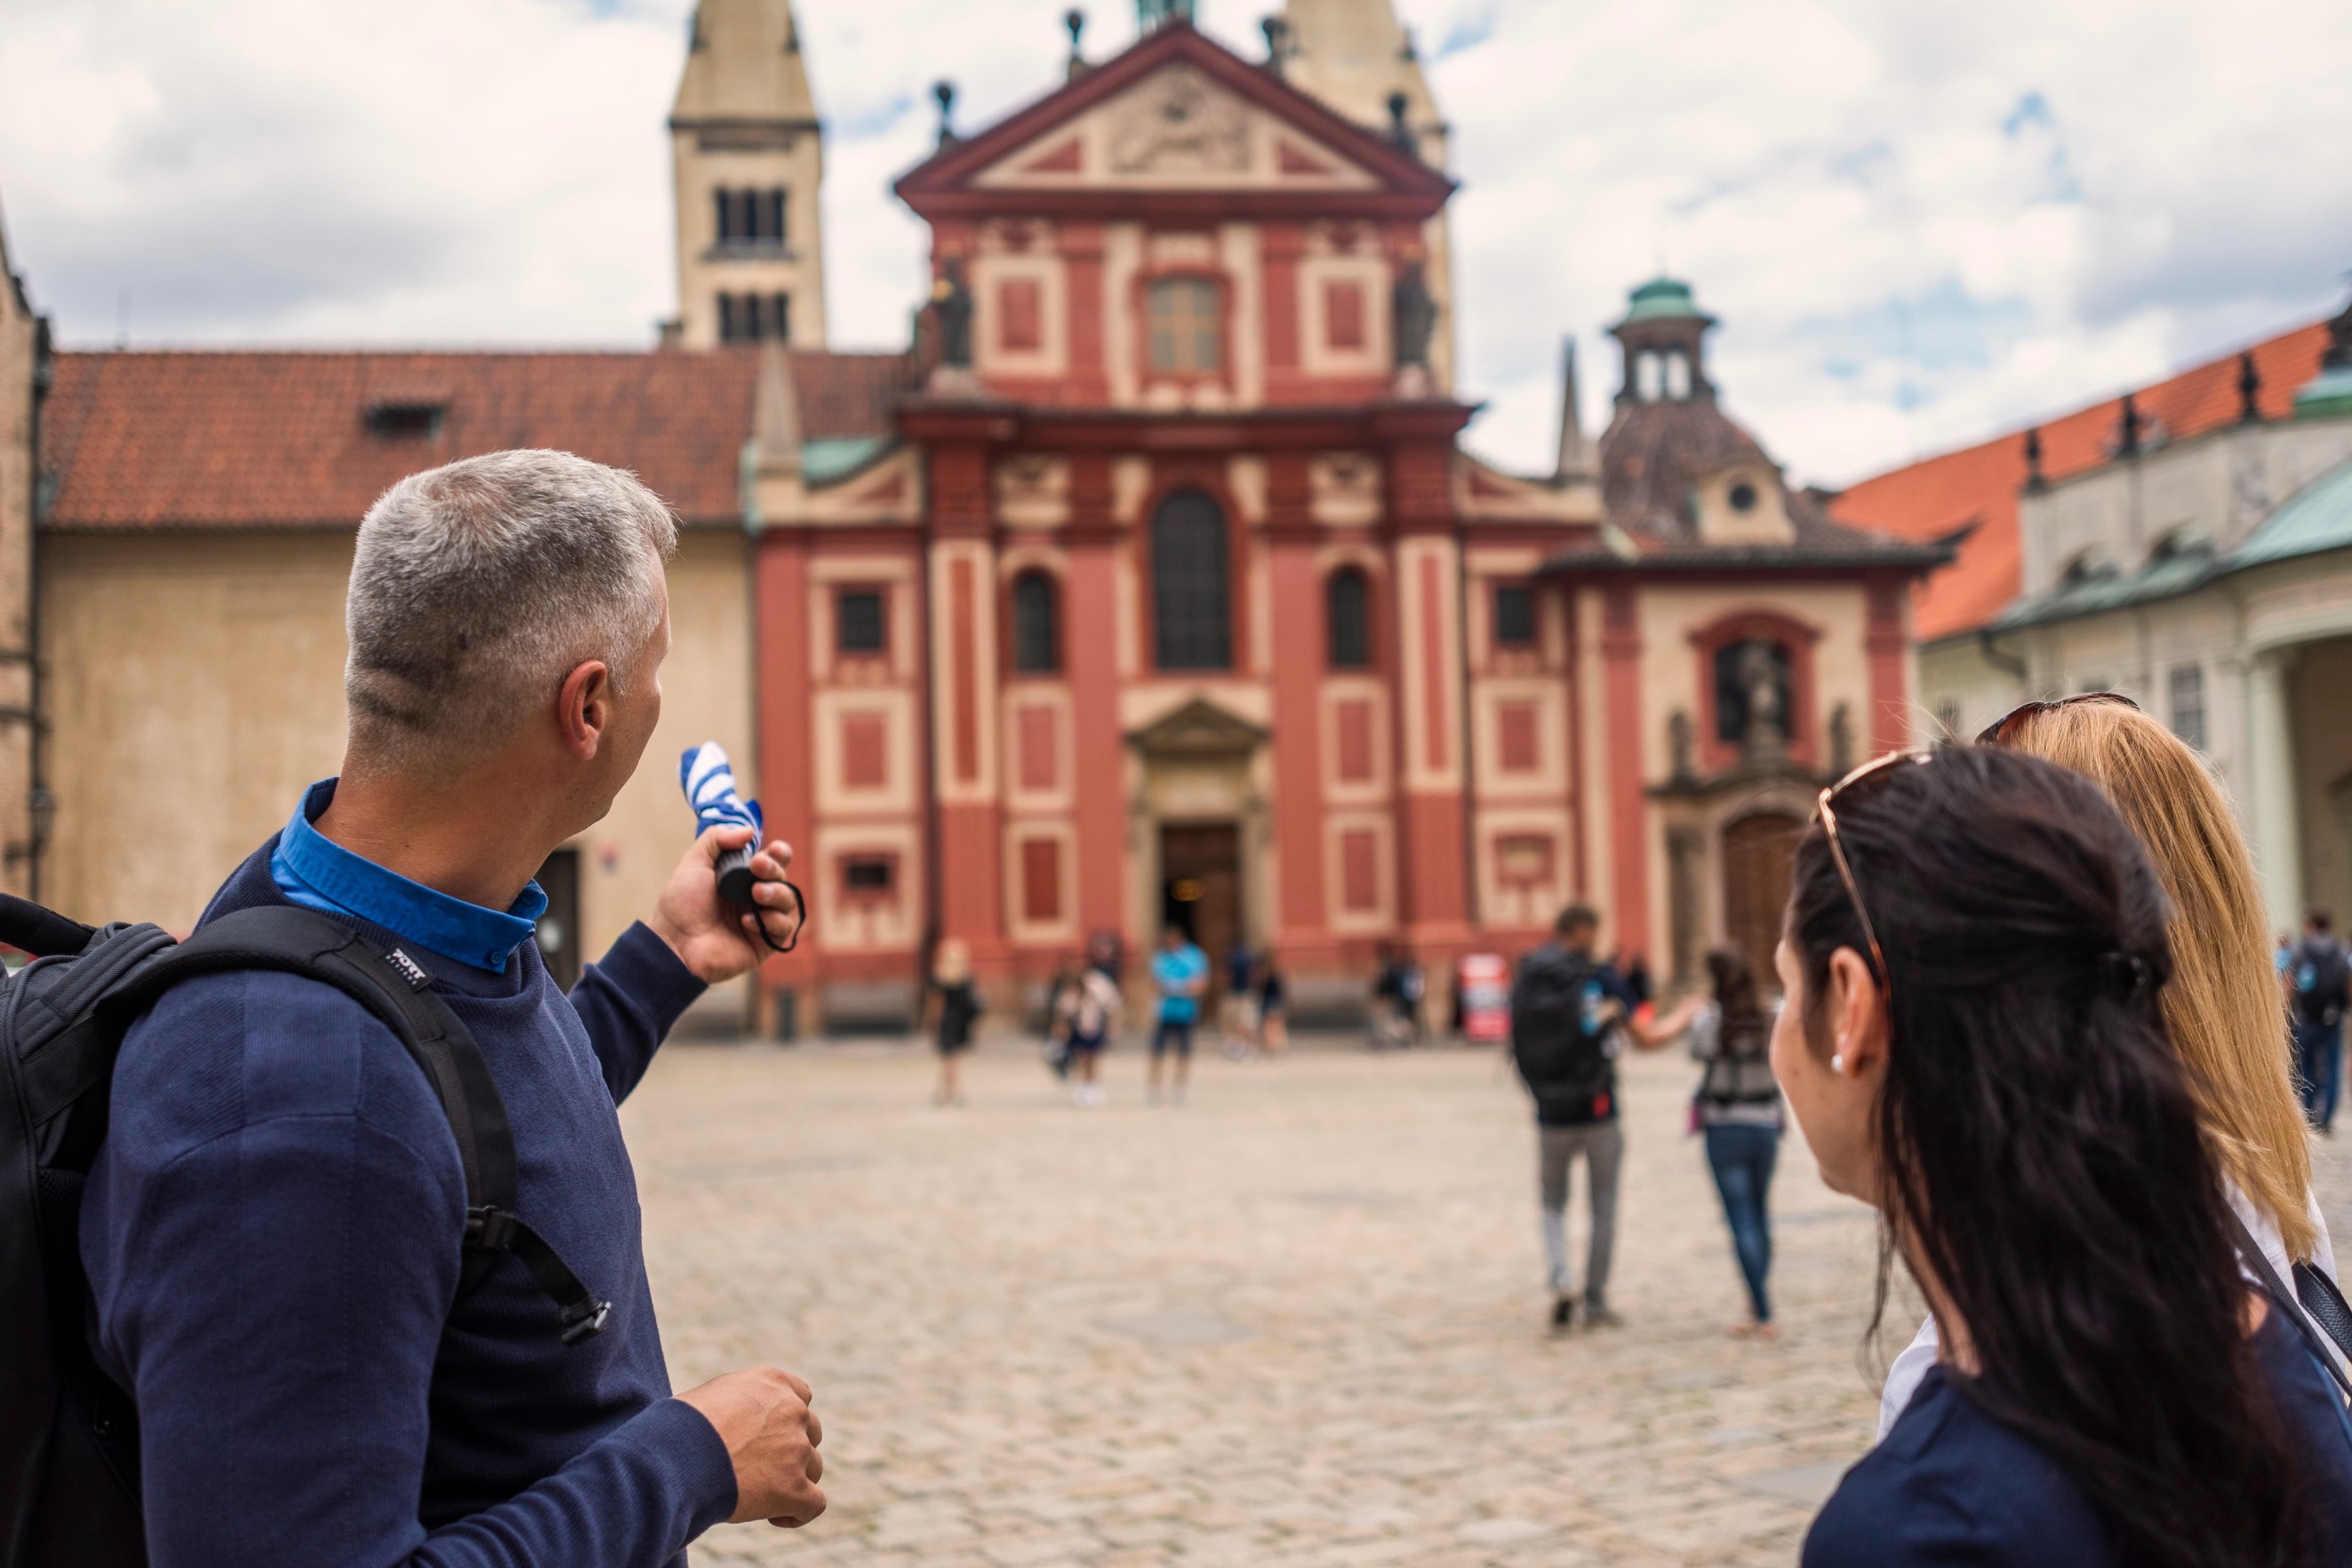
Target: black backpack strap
(395, 988)
(2283, 1300)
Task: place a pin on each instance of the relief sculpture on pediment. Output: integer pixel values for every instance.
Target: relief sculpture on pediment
(1178, 121)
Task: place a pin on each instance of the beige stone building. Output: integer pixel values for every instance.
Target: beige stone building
(25, 368)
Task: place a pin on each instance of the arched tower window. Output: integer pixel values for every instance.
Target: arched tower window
(1647, 375)
(1191, 600)
(1348, 618)
(1678, 376)
(1036, 624)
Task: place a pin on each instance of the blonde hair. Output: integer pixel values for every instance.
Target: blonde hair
(2223, 1006)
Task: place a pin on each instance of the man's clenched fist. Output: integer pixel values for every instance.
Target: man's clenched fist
(762, 1416)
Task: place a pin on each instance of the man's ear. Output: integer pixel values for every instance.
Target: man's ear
(584, 707)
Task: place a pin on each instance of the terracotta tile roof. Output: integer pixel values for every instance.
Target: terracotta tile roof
(1978, 486)
(280, 439)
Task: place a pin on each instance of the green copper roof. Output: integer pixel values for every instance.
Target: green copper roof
(2318, 518)
(1661, 300)
(2329, 395)
(832, 458)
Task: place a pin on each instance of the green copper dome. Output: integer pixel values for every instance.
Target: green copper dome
(1661, 300)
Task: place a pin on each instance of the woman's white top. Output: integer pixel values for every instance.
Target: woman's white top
(1903, 1378)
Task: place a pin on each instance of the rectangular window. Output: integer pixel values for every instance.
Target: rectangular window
(724, 203)
(730, 325)
(1343, 315)
(1360, 871)
(1523, 860)
(1355, 742)
(1515, 723)
(867, 876)
(2188, 694)
(1041, 880)
(1036, 746)
(780, 316)
(1020, 323)
(1515, 615)
(864, 752)
(1187, 329)
(771, 216)
(858, 624)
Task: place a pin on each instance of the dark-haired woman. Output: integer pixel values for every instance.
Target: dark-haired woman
(1737, 1109)
(1971, 1040)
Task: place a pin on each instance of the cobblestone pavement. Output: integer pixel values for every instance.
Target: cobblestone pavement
(1299, 1322)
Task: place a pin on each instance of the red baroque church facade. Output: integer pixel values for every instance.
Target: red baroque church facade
(1175, 599)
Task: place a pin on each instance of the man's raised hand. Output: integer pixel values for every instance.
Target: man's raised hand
(715, 940)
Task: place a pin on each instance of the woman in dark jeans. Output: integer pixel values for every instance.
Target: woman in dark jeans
(1737, 1105)
(1739, 1109)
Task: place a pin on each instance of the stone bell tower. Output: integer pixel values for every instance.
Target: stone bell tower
(749, 160)
(1359, 60)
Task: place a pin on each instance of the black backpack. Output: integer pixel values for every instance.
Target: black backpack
(68, 1436)
(1560, 1050)
(2321, 972)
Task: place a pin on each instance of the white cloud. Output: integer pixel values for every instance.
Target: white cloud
(1917, 222)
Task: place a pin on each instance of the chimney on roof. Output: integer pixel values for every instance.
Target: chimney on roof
(772, 483)
(2250, 390)
(1076, 21)
(1575, 452)
(2127, 428)
(2034, 478)
(1400, 132)
(1277, 37)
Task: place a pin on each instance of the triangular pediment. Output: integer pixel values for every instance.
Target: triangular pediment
(1177, 114)
(1198, 729)
(1177, 129)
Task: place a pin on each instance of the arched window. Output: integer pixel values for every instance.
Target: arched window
(1647, 375)
(1191, 605)
(1679, 376)
(1036, 624)
(1348, 618)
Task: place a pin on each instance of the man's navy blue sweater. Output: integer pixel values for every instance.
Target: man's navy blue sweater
(272, 1234)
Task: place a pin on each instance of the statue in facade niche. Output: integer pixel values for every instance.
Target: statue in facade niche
(1841, 740)
(1678, 743)
(1761, 676)
(951, 310)
(1415, 312)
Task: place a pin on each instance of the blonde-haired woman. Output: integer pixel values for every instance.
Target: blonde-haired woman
(2221, 1006)
(960, 1008)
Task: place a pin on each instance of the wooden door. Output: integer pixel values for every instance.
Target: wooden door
(1200, 888)
(1759, 856)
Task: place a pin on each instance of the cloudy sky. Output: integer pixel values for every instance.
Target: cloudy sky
(1919, 220)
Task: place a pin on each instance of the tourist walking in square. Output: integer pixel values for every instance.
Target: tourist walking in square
(960, 1007)
(2317, 979)
(1564, 1007)
(1180, 975)
(1737, 1110)
(1086, 1010)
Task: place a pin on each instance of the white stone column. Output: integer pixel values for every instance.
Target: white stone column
(2269, 787)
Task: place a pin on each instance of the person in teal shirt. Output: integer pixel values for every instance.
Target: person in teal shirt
(1180, 973)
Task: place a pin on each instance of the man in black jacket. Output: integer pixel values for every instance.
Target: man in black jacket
(1564, 1007)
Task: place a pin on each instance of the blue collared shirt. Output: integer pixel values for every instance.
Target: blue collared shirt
(314, 871)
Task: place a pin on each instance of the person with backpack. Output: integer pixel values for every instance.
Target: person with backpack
(2318, 979)
(1736, 1108)
(1085, 1012)
(1565, 1005)
(326, 1348)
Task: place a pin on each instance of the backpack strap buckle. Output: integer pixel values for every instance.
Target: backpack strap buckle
(490, 1228)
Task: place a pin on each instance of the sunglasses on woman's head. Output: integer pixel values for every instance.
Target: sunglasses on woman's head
(1825, 808)
(2000, 731)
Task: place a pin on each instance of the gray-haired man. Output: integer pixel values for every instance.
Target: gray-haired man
(272, 1231)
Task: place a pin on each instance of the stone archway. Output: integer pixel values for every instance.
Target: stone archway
(1759, 857)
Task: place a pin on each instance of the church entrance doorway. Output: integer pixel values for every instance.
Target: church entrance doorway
(1200, 890)
(1759, 857)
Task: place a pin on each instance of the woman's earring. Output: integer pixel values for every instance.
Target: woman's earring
(1837, 1062)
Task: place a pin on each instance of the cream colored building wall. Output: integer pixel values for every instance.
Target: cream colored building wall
(18, 333)
(1670, 675)
(626, 859)
(1961, 689)
(195, 684)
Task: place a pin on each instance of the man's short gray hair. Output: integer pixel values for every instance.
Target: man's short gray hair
(478, 586)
